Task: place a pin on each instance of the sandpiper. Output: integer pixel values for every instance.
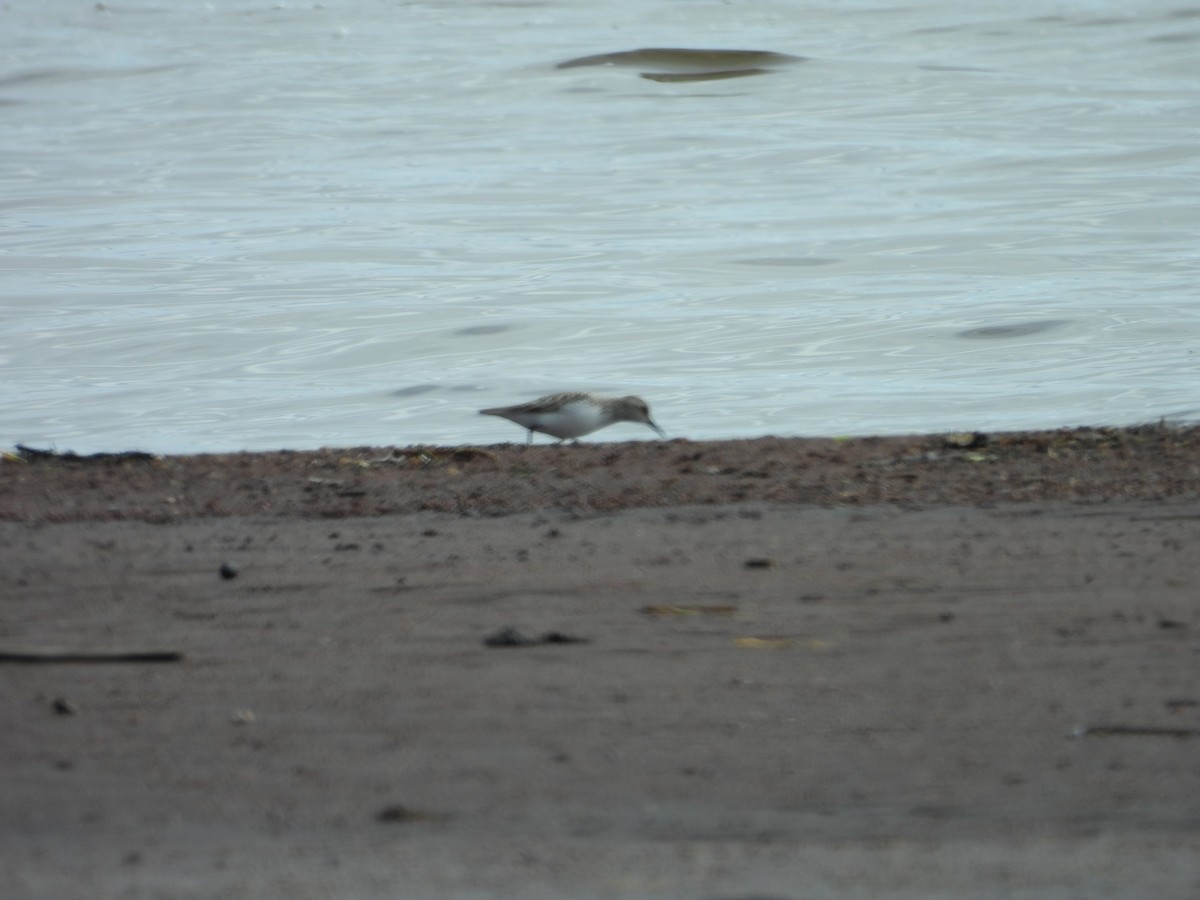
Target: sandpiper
(573, 415)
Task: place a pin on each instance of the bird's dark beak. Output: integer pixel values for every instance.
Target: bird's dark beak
(662, 434)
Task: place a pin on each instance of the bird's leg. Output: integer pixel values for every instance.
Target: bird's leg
(529, 438)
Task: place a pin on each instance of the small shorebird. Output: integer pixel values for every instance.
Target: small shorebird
(573, 415)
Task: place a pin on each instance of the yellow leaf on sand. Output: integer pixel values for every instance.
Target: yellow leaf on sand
(670, 610)
(753, 643)
(780, 643)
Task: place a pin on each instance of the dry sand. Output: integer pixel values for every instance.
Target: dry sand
(903, 668)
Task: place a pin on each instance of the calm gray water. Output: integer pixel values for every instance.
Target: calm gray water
(244, 224)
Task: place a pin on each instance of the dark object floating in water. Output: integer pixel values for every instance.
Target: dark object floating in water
(673, 64)
(415, 390)
(1012, 329)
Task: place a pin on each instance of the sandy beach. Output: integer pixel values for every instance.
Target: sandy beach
(916, 667)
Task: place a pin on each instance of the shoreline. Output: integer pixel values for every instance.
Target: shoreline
(1153, 462)
(921, 667)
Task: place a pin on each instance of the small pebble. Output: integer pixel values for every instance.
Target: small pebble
(228, 571)
(64, 707)
(760, 563)
(397, 813)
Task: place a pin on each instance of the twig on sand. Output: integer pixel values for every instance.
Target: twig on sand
(69, 655)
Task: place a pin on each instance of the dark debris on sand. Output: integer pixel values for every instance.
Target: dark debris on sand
(1079, 464)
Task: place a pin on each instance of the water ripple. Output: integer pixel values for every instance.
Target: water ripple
(979, 221)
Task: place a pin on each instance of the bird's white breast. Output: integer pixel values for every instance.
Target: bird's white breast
(572, 420)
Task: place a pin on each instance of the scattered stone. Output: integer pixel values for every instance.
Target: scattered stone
(557, 637)
(64, 707)
(508, 637)
(228, 571)
(398, 812)
(966, 440)
(511, 637)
